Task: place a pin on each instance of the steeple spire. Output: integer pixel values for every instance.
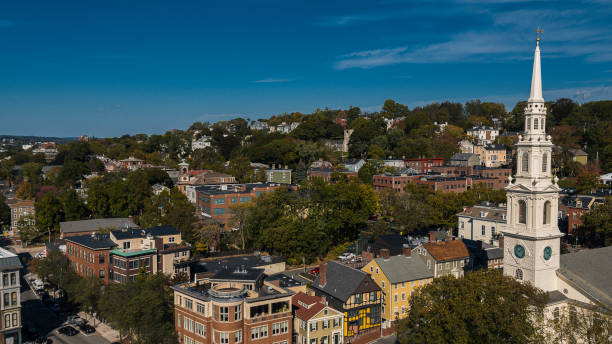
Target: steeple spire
(536, 77)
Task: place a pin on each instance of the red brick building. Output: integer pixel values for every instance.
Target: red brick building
(326, 173)
(496, 178)
(215, 201)
(445, 184)
(232, 307)
(89, 255)
(395, 182)
(424, 165)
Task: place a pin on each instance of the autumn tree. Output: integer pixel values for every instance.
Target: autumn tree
(482, 307)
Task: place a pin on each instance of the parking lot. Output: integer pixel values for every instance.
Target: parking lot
(39, 317)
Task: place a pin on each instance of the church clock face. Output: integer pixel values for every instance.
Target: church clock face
(519, 251)
(547, 252)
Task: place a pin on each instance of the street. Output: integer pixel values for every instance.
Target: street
(36, 314)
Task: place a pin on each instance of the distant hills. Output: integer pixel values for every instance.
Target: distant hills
(30, 139)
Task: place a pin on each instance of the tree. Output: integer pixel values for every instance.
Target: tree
(170, 208)
(97, 198)
(25, 190)
(48, 212)
(596, 229)
(57, 270)
(73, 206)
(241, 213)
(5, 212)
(482, 307)
(142, 311)
(32, 172)
(28, 231)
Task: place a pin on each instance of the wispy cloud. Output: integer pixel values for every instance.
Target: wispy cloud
(6, 23)
(272, 80)
(569, 33)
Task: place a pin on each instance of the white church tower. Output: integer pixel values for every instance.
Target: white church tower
(531, 234)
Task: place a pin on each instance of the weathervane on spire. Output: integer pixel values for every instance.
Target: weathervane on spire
(539, 32)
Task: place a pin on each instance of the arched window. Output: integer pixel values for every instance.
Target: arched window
(519, 274)
(544, 162)
(547, 212)
(535, 124)
(522, 211)
(528, 123)
(525, 162)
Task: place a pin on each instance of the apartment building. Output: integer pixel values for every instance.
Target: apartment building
(232, 307)
(398, 277)
(445, 184)
(395, 181)
(10, 328)
(494, 177)
(118, 257)
(314, 322)
(424, 165)
(19, 210)
(215, 201)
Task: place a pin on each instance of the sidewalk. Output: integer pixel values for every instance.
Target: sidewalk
(104, 330)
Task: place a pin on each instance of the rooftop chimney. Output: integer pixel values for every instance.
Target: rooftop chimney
(432, 236)
(323, 274)
(384, 253)
(406, 250)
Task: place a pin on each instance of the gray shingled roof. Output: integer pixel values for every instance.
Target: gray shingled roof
(94, 224)
(590, 272)
(342, 280)
(403, 269)
(9, 260)
(96, 242)
(121, 234)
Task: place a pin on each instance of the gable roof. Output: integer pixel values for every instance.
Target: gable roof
(462, 156)
(95, 224)
(306, 306)
(447, 250)
(342, 280)
(403, 268)
(590, 272)
(490, 213)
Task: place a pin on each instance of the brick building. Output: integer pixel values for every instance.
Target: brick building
(215, 201)
(326, 173)
(445, 184)
(118, 257)
(20, 209)
(231, 307)
(424, 165)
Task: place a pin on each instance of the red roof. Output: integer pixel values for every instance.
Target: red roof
(306, 306)
(447, 250)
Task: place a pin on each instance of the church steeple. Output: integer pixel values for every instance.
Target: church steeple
(536, 77)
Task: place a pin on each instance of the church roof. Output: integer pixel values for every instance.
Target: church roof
(590, 272)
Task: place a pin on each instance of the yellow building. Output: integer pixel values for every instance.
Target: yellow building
(398, 277)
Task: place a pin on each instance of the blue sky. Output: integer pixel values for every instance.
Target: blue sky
(107, 68)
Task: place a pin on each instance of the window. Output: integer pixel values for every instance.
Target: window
(482, 230)
(238, 312)
(238, 336)
(219, 201)
(358, 298)
(234, 199)
(101, 258)
(275, 329)
(254, 332)
(188, 324)
(224, 313)
(313, 341)
(325, 324)
(6, 300)
(200, 308)
(528, 123)
(189, 304)
(395, 298)
(403, 296)
(188, 340)
(245, 199)
(519, 274)
(126, 245)
(15, 320)
(223, 337)
(544, 162)
(522, 211)
(525, 163)
(336, 322)
(200, 329)
(546, 212)
(263, 331)
(371, 268)
(102, 273)
(13, 278)
(7, 321)
(313, 326)
(218, 211)
(535, 124)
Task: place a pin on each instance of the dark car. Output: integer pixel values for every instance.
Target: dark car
(68, 331)
(43, 340)
(85, 328)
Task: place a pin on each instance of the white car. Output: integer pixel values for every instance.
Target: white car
(346, 256)
(38, 284)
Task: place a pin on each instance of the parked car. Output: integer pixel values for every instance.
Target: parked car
(315, 271)
(68, 331)
(76, 320)
(85, 328)
(346, 256)
(43, 340)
